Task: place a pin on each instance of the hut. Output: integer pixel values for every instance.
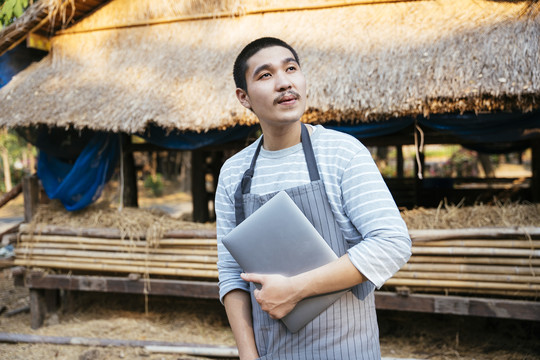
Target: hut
(388, 72)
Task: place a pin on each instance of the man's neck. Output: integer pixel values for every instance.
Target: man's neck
(282, 137)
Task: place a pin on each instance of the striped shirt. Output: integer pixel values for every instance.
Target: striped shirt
(378, 239)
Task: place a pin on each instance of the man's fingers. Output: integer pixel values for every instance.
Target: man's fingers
(256, 278)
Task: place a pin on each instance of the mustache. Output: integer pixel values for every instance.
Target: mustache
(286, 93)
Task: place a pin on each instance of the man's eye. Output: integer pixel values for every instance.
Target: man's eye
(265, 75)
(291, 68)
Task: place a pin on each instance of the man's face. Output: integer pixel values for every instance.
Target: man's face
(276, 87)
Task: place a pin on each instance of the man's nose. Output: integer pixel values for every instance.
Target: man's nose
(283, 81)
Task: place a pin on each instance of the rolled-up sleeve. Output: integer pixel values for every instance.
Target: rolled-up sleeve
(228, 269)
(385, 245)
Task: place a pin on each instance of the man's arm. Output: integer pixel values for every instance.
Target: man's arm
(280, 294)
(238, 306)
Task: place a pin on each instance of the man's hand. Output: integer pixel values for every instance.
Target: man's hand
(278, 294)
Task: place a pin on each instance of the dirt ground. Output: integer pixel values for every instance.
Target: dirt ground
(117, 316)
(114, 316)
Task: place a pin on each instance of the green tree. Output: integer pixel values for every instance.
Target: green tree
(11, 10)
(17, 158)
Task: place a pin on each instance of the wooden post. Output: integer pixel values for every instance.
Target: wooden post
(130, 194)
(31, 196)
(37, 308)
(198, 187)
(399, 161)
(535, 162)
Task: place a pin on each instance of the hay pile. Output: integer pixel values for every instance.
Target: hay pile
(135, 223)
(450, 216)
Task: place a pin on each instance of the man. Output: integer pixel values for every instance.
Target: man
(355, 213)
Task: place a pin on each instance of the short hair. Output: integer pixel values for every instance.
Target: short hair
(240, 65)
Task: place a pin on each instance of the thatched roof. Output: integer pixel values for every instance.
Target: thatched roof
(44, 18)
(135, 62)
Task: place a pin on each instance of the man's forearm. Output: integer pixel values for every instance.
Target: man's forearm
(238, 307)
(338, 275)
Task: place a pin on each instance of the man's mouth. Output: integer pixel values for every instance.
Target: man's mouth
(287, 98)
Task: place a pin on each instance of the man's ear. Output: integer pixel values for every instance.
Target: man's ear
(243, 97)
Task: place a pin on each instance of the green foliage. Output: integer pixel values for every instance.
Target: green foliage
(11, 10)
(16, 151)
(154, 183)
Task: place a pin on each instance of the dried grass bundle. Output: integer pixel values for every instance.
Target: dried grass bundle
(454, 216)
(133, 223)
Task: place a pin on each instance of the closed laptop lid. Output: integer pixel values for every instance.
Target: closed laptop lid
(278, 239)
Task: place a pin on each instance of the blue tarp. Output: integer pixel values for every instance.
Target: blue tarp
(192, 140)
(16, 60)
(79, 184)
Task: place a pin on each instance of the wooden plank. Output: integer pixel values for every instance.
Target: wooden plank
(182, 288)
(458, 305)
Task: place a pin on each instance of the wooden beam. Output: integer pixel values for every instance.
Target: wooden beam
(182, 288)
(459, 305)
(38, 282)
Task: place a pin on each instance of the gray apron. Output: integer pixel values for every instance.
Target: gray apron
(348, 328)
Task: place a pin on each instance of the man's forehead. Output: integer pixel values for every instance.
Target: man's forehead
(269, 54)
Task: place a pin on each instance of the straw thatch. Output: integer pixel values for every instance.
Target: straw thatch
(44, 18)
(136, 62)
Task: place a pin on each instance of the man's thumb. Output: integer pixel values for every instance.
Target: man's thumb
(251, 277)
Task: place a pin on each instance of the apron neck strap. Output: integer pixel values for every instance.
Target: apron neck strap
(245, 184)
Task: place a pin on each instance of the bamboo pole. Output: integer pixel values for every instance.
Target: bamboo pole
(468, 277)
(109, 241)
(91, 262)
(474, 233)
(474, 260)
(116, 255)
(139, 249)
(426, 250)
(516, 244)
(118, 268)
(112, 233)
(188, 349)
(464, 268)
(462, 284)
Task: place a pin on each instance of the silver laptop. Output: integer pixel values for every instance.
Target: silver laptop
(278, 239)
